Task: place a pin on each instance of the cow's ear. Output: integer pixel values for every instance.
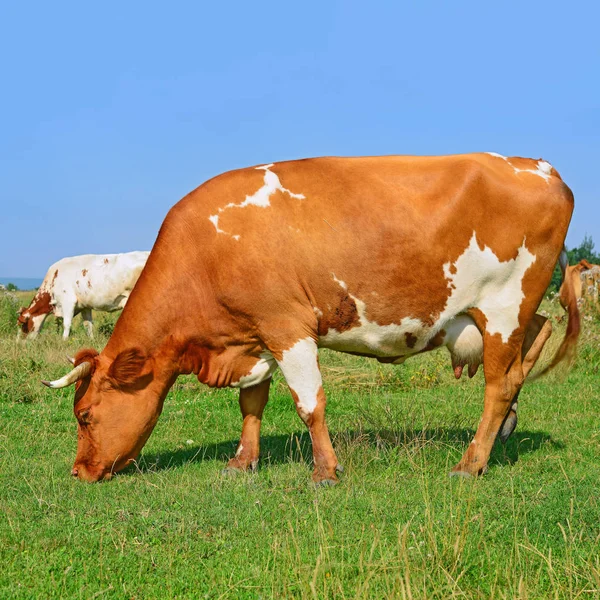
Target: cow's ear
(585, 264)
(128, 367)
(87, 355)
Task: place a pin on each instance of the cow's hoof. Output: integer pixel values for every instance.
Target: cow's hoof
(233, 472)
(326, 483)
(462, 474)
(339, 468)
(241, 466)
(457, 472)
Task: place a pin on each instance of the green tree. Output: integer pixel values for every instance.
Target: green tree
(11, 287)
(584, 252)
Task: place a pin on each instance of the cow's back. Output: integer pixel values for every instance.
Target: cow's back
(349, 242)
(104, 281)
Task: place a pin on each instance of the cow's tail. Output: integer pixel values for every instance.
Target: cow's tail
(568, 300)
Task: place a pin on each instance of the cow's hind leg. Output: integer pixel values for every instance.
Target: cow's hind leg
(536, 336)
(86, 315)
(300, 367)
(252, 403)
(504, 378)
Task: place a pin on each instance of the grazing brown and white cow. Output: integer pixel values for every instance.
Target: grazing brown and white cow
(80, 284)
(381, 256)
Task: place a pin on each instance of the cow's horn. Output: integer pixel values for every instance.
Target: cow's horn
(70, 359)
(79, 372)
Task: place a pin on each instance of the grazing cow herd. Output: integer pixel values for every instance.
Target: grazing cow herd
(385, 257)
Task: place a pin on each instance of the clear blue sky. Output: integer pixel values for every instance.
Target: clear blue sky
(110, 112)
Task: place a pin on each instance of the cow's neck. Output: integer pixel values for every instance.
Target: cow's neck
(166, 314)
(160, 337)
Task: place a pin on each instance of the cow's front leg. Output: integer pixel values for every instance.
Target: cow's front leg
(67, 321)
(300, 367)
(252, 403)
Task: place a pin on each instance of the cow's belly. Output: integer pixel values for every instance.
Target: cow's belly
(111, 305)
(103, 303)
(459, 334)
(396, 342)
(408, 337)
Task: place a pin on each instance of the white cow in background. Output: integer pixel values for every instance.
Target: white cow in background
(80, 284)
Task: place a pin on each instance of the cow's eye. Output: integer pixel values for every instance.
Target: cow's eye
(83, 416)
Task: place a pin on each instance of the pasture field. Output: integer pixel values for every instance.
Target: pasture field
(395, 527)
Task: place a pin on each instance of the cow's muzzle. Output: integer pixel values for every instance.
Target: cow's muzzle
(84, 473)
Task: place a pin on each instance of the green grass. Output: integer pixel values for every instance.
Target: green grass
(396, 526)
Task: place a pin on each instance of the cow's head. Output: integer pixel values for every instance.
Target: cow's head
(117, 404)
(29, 324)
(24, 321)
(32, 317)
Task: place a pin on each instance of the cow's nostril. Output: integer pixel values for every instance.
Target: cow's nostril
(74, 472)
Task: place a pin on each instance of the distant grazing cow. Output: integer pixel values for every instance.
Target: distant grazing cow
(590, 283)
(585, 280)
(80, 284)
(382, 256)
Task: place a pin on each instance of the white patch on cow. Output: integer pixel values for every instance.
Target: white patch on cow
(544, 167)
(260, 198)
(214, 219)
(261, 371)
(300, 368)
(543, 170)
(480, 280)
(239, 450)
(342, 283)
